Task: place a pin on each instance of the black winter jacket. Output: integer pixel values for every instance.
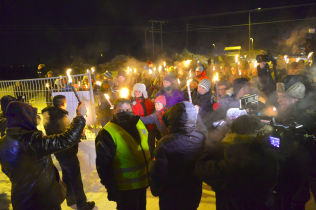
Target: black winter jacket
(56, 121)
(172, 170)
(242, 171)
(25, 158)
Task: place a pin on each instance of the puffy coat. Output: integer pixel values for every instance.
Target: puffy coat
(175, 97)
(142, 107)
(156, 119)
(25, 158)
(242, 171)
(203, 101)
(172, 170)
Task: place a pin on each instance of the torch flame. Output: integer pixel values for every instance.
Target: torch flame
(107, 96)
(69, 76)
(47, 85)
(310, 55)
(98, 83)
(190, 75)
(159, 68)
(134, 70)
(124, 92)
(189, 81)
(216, 78)
(164, 64)
(179, 81)
(187, 63)
(236, 58)
(150, 71)
(92, 69)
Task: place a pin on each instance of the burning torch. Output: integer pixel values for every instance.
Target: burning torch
(72, 87)
(189, 90)
(107, 97)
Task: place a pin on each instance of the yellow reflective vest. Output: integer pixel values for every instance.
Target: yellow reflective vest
(131, 159)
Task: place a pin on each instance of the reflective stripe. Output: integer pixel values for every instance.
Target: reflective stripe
(138, 179)
(124, 170)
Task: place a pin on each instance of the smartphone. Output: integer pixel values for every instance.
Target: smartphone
(274, 141)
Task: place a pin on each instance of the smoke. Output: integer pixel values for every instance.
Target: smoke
(294, 40)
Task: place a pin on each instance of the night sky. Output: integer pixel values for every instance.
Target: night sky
(67, 31)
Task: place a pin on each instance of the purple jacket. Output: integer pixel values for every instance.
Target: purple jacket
(175, 97)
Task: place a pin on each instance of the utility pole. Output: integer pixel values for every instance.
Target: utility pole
(153, 30)
(152, 37)
(249, 33)
(187, 36)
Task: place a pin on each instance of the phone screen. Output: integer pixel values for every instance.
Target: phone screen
(274, 141)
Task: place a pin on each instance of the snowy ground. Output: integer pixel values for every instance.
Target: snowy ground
(94, 190)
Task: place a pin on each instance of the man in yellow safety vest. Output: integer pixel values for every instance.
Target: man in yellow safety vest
(123, 157)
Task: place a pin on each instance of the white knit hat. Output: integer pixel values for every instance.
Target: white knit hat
(140, 87)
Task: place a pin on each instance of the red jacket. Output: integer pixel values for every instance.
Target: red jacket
(139, 104)
(138, 108)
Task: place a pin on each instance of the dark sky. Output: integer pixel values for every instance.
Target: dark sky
(63, 31)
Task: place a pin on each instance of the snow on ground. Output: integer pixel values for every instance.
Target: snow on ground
(93, 188)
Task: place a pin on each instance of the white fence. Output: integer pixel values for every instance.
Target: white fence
(39, 92)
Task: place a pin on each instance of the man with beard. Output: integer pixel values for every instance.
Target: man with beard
(123, 158)
(172, 94)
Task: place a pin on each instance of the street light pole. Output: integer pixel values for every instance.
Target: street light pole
(249, 32)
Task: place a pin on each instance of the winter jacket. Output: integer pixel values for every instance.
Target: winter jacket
(25, 158)
(202, 76)
(203, 101)
(157, 120)
(175, 97)
(172, 170)
(55, 121)
(106, 150)
(3, 125)
(242, 170)
(142, 107)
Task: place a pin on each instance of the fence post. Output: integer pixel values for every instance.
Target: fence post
(92, 103)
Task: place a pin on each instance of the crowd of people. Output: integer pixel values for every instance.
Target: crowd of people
(170, 135)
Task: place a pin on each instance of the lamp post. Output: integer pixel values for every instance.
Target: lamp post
(251, 39)
(249, 25)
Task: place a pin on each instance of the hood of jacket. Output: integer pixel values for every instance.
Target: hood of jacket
(21, 115)
(5, 100)
(181, 117)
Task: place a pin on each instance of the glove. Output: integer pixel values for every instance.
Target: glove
(81, 109)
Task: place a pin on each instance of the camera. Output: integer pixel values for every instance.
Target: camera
(249, 103)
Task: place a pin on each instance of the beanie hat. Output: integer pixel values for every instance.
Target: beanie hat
(140, 87)
(169, 78)
(161, 99)
(205, 83)
(297, 90)
(108, 74)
